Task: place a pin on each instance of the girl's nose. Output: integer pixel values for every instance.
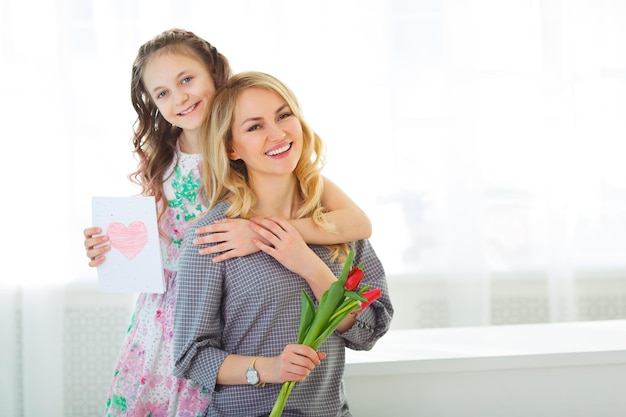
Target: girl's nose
(181, 97)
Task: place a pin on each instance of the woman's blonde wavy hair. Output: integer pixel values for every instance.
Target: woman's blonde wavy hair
(227, 179)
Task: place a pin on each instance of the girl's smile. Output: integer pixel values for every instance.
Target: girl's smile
(189, 110)
(181, 88)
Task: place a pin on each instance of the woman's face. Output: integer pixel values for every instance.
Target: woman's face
(181, 87)
(266, 134)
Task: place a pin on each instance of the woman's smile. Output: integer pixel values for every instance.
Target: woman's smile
(280, 150)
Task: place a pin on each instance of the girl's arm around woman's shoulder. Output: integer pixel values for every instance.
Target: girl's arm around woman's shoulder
(350, 220)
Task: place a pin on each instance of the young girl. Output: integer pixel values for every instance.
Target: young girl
(174, 77)
(236, 322)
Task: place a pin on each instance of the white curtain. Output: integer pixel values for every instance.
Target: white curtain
(485, 139)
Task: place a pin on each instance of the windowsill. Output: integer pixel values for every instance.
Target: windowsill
(492, 347)
(574, 369)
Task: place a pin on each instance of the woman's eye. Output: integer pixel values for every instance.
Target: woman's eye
(253, 128)
(285, 115)
(161, 94)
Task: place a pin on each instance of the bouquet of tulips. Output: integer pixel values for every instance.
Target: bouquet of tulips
(341, 299)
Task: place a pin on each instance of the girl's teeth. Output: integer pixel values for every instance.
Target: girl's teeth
(189, 110)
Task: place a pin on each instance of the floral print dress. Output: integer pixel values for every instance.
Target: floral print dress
(143, 384)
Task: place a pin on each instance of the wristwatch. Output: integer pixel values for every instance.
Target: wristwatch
(252, 376)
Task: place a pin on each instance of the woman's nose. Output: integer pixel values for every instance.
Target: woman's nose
(275, 132)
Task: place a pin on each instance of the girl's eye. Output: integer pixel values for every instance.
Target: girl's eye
(186, 80)
(161, 94)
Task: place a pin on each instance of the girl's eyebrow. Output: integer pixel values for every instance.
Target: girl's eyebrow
(180, 74)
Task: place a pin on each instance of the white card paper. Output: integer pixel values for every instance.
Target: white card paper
(134, 262)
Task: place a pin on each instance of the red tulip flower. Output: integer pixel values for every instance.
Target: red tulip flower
(354, 278)
(371, 295)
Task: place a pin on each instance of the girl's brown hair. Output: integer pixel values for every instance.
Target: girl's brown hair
(154, 139)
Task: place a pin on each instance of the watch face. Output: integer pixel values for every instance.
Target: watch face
(252, 377)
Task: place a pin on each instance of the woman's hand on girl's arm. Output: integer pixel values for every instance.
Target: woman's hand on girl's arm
(95, 253)
(350, 221)
(233, 237)
(285, 244)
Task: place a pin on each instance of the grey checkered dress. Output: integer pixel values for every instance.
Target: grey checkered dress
(250, 306)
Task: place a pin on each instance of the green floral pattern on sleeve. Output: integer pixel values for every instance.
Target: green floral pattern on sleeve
(186, 188)
(186, 204)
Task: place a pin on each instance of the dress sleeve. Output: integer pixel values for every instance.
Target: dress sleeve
(373, 322)
(197, 319)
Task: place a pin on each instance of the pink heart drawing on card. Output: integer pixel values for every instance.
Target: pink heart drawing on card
(128, 240)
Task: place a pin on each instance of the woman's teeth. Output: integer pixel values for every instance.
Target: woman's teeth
(279, 150)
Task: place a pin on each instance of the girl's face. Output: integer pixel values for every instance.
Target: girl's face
(266, 135)
(181, 88)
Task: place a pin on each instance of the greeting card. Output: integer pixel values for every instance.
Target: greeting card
(134, 262)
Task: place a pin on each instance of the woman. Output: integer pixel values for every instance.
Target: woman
(236, 321)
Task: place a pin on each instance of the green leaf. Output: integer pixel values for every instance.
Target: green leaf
(365, 288)
(355, 296)
(283, 395)
(348, 305)
(327, 305)
(307, 314)
(347, 266)
(332, 326)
